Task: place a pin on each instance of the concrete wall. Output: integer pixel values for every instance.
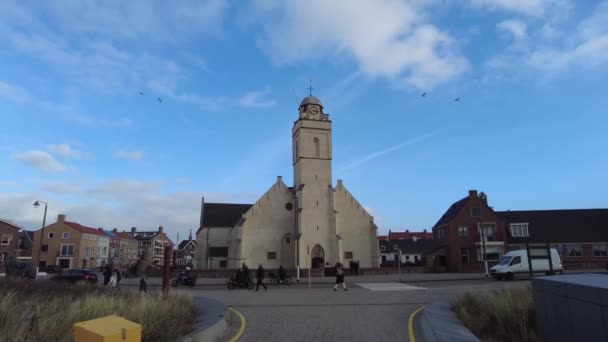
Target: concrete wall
(572, 307)
(266, 224)
(356, 228)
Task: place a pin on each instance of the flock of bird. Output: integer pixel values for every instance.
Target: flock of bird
(158, 98)
(455, 100)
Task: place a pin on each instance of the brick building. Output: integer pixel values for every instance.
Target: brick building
(14, 241)
(470, 226)
(153, 242)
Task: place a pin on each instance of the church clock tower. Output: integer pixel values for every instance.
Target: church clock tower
(312, 154)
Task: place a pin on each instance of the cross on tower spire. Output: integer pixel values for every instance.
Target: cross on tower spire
(310, 88)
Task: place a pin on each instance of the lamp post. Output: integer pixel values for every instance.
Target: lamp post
(37, 204)
(296, 200)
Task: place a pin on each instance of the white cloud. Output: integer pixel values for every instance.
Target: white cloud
(528, 7)
(401, 46)
(14, 93)
(39, 160)
(131, 155)
(60, 188)
(514, 27)
(254, 99)
(67, 151)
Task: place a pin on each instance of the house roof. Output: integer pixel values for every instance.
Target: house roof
(407, 235)
(184, 243)
(109, 233)
(125, 235)
(451, 212)
(84, 229)
(223, 214)
(559, 226)
(11, 223)
(420, 246)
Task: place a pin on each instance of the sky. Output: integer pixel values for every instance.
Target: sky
(529, 128)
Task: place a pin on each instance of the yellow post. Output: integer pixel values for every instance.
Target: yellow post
(107, 329)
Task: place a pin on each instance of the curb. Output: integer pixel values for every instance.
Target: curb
(438, 323)
(211, 324)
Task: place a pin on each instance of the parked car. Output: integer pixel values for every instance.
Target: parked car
(76, 275)
(516, 262)
(52, 269)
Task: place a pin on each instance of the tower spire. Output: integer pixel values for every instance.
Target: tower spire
(310, 88)
(190, 235)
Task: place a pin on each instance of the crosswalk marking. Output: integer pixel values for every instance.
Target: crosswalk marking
(389, 287)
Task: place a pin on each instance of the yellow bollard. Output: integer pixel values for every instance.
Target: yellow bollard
(107, 329)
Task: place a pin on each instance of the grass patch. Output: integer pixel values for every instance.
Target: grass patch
(502, 315)
(46, 311)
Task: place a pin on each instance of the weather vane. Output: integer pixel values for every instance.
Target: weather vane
(310, 88)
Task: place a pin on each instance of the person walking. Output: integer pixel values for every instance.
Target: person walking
(118, 277)
(246, 278)
(143, 286)
(260, 275)
(340, 277)
(107, 273)
(112, 282)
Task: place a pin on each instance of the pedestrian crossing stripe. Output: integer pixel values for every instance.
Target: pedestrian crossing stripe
(389, 287)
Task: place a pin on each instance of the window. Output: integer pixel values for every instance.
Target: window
(463, 231)
(493, 253)
(218, 252)
(271, 255)
(600, 250)
(464, 255)
(104, 251)
(223, 263)
(51, 235)
(488, 231)
(475, 212)
(348, 255)
(407, 257)
(519, 229)
(516, 261)
(65, 235)
(44, 248)
(67, 250)
(395, 247)
(440, 232)
(297, 151)
(86, 250)
(382, 248)
(317, 147)
(6, 239)
(575, 250)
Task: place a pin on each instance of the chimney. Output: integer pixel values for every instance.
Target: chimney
(114, 230)
(472, 193)
(407, 230)
(424, 230)
(279, 179)
(61, 218)
(340, 182)
(160, 229)
(133, 230)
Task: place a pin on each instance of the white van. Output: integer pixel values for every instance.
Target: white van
(516, 262)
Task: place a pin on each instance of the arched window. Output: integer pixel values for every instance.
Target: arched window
(317, 147)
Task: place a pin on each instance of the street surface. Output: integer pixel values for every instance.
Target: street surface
(367, 312)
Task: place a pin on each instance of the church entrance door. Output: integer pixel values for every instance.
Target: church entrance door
(317, 255)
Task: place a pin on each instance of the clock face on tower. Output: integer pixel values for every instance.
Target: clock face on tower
(314, 111)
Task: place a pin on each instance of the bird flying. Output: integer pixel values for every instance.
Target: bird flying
(457, 99)
(140, 93)
(159, 99)
(424, 94)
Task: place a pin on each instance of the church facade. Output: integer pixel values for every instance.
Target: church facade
(311, 224)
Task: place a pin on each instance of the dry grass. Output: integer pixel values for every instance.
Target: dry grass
(503, 315)
(45, 311)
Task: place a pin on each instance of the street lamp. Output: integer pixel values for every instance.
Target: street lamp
(37, 204)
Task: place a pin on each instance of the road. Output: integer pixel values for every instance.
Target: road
(367, 312)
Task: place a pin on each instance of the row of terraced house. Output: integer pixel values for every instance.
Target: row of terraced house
(73, 245)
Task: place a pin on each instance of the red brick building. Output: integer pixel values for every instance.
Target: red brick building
(580, 235)
(406, 235)
(14, 241)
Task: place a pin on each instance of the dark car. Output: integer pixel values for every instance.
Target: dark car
(52, 269)
(76, 275)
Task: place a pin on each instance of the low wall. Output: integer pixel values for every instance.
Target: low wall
(572, 307)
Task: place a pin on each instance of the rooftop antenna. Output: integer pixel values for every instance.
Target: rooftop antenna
(296, 96)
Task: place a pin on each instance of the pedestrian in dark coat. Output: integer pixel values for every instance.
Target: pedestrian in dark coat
(107, 274)
(118, 277)
(340, 277)
(357, 267)
(143, 286)
(260, 275)
(246, 278)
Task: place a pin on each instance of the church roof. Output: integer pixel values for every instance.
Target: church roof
(223, 214)
(311, 100)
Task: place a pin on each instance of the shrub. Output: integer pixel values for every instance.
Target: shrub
(45, 311)
(502, 315)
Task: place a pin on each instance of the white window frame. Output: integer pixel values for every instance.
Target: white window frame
(603, 250)
(61, 250)
(9, 238)
(480, 253)
(519, 230)
(580, 247)
(65, 235)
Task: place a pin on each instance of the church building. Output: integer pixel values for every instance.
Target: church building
(311, 224)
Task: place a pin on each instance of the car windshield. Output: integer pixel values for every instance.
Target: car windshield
(505, 261)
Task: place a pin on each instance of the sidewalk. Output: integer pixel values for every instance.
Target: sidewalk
(379, 278)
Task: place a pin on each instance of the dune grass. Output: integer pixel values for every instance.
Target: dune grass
(502, 315)
(46, 311)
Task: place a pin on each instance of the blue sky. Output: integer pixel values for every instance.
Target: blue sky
(529, 129)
